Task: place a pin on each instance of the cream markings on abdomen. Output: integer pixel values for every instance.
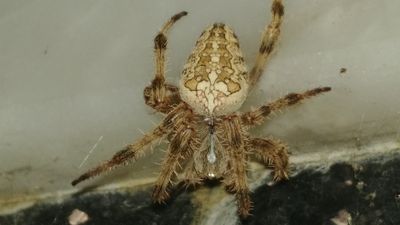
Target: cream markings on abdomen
(215, 80)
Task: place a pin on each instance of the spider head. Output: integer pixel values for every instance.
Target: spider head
(215, 80)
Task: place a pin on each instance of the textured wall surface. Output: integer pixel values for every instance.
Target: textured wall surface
(72, 75)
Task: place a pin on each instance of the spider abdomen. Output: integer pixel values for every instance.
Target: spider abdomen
(215, 79)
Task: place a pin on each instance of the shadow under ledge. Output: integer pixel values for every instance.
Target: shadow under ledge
(364, 194)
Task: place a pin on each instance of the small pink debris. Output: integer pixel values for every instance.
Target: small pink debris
(348, 182)
(342, 218)
(78, 217)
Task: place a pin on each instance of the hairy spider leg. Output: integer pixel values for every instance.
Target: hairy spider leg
(272, 152)
(268, 41)
(159, 95)
(133, 151)
(179, 149)
(238, 156)
(258, 115)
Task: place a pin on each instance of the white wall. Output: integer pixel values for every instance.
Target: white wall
(72, 72)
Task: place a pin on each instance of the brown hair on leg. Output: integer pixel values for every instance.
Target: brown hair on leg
(258, 115)
(272, 152)
(268, 41)
(234, 137)
(159, 95)
(179, 149)
(132, 151)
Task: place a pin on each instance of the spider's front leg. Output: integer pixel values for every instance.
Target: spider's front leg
(268, 41)
(160, 95)
(258, 115)
(179, 149)
(191, 177)
(273, 153)
(132, 151)
(236, 180)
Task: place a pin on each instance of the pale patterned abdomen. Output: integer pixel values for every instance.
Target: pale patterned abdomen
(215, 79)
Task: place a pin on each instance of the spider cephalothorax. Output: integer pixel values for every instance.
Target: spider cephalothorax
(207, 138)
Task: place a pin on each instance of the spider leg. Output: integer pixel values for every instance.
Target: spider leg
(236, 180)
(132, 151)
(239, 183)
(178, 150)
(258, 115)
(273, 153)
(268, 41)
(191, 178)
(159, 95)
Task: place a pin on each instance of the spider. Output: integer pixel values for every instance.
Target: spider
(208, 138)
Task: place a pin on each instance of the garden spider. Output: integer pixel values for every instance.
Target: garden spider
(207, 138)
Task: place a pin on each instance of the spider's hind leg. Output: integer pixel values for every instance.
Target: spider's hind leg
(160, 95)
(273, 153)
(268, 41)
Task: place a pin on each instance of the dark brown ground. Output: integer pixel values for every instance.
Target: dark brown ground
(370, 194)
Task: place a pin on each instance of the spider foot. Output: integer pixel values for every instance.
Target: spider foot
(244, 204)
(280, 174)
(160, 194)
